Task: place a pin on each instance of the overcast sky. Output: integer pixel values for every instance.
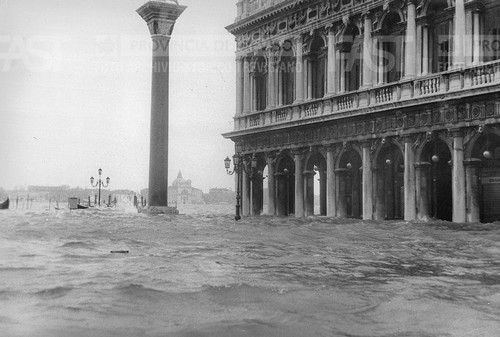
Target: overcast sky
(75, 93)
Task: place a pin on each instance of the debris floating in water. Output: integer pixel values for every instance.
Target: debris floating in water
(119, 252)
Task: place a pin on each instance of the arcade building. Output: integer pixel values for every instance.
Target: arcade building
(386, 109)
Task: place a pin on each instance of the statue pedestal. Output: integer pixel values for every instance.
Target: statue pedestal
(159, 210)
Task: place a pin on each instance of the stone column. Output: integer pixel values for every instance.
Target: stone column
(411, 40)
(381, 67)
(309, 77)
(299, 185)
(332, 64)
(245, 194)
(458, 177)
(343, 61)
(368, 65)
(160, 17)
(342, 192)
(331, 209)
(476, 60)
(246, 85)
(459, 35)
(422, 189)
(409, 181)
(425, 50)
(271, 185)
(367, 182)
(473, 185)
(239, 85)
(271, 81)
(299, 72)
(309, 192)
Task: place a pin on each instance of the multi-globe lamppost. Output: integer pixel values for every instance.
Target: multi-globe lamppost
(238, 168)
(99, 184)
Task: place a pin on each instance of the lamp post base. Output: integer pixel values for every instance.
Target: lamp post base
(159, 210)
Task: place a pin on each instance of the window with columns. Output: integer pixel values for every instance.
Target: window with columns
(353, 66)
(317, 68)
(286, 71)
(391, 49)
(258, 88)
(490, 42)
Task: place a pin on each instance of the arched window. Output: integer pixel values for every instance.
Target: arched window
(391, 49)
(258, 71)
(286, 70)
(317, 67)
(491, 41)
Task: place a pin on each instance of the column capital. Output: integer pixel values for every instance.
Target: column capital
(457, 133)
(160, 16)
(422, 165)
(473, 162)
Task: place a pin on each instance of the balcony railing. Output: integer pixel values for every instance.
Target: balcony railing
(423, 87)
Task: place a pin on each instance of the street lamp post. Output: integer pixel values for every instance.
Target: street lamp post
(238, 168)
(99, 184)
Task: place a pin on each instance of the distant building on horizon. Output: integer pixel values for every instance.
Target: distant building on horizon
(182, 192)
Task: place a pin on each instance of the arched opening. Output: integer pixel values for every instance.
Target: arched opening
(258, 74)
(487, 149)
(390, 183)
(286, 71)
(439, 177)
(490, 42)
(349, 185)
(315, 170)
(285, 186)
(391, 49)
(317, 68)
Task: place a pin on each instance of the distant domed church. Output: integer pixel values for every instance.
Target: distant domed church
(182, 193)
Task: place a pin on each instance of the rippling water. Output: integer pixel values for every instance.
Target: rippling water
(203, 274)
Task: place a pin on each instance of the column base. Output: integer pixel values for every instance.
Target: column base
(159, 210)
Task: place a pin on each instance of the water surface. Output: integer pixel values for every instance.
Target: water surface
(203, 274)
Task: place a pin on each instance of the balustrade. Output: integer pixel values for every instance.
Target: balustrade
(429, 86)
(476, 77)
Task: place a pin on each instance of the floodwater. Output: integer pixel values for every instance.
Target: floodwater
(203, 274)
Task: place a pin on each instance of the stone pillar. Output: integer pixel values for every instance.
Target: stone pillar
(409, 181)
(309, 192)
(271, 81)
(367, 182)
(473, 185)
(459, 35)
(476, 58)
(271, 185)
(343, 61)
(245, 194)
(332, 64)
(246, 85)
(381, 67)
(299, 185)
(368, 65)
(309, 78)
(331, 209)
(239, 86)
(422, 172)
(342, 192)
(458, 177)
(160, 17)
(425, 50)
(299, 72)
(411, 40)
(380, 194)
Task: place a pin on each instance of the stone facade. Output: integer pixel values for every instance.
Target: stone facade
(393, 104)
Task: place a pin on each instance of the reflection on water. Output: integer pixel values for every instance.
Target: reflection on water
(203, 274)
